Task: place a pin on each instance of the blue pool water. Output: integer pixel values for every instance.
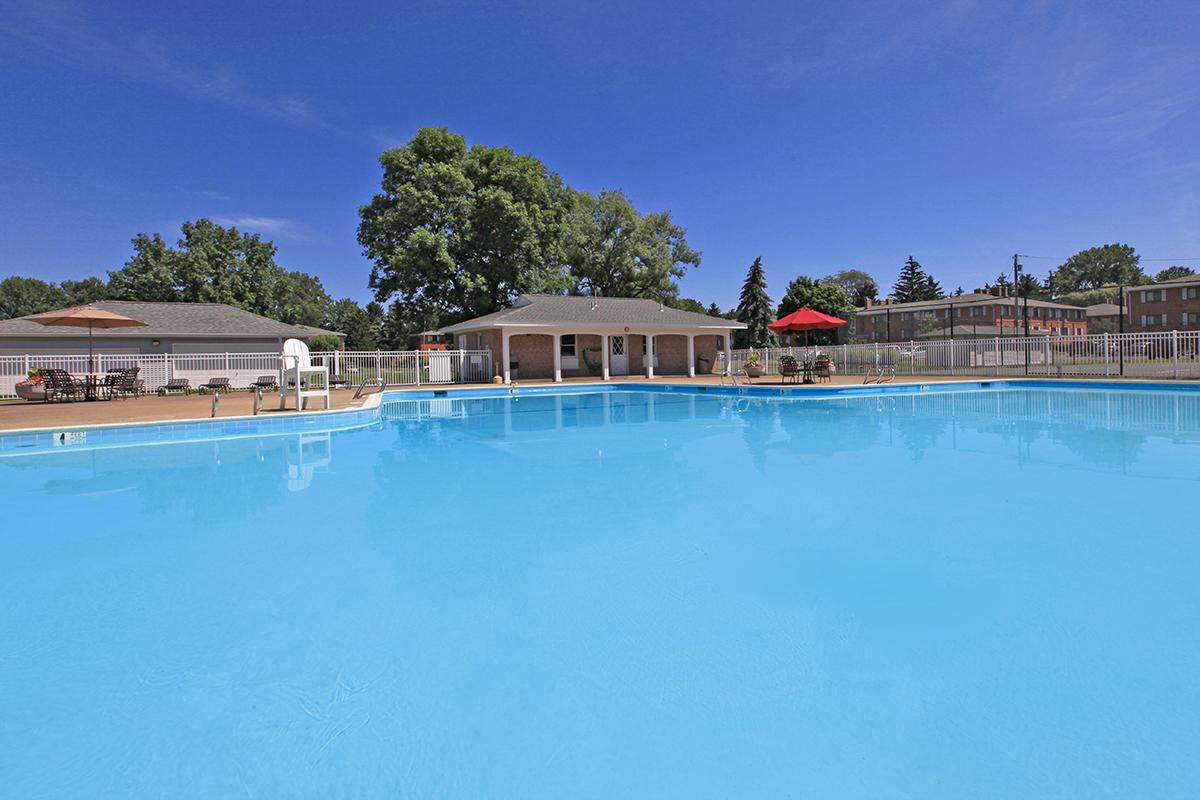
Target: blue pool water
(987, 593)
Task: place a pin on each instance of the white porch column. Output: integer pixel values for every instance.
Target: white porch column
(558, 358)
(605, 349)
(691, 355)
(649, 355)
(504, 355)
(728, 352)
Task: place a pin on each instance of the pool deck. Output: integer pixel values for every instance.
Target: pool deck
(21, 414)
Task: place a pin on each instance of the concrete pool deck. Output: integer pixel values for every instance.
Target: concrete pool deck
(22, 414)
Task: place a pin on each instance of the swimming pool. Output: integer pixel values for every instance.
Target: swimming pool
(961, 591)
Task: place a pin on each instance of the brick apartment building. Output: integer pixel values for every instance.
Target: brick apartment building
(1172, 305)
(981, 313)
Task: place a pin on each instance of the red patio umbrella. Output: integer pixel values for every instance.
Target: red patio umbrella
(806, 320)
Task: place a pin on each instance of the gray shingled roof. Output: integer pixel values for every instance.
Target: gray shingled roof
(1103, 310)
(1183, 280)
(553, 309)
(171, 319)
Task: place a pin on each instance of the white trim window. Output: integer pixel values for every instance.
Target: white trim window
(1153, 320)
(1153, 295)
(1191, 293)
(568, 351)
(1191, 319)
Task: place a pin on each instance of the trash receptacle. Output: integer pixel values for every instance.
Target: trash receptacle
(513, 368)
(703, 366)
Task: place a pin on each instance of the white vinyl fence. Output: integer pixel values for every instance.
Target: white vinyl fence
(1171, 354)
(396, 368)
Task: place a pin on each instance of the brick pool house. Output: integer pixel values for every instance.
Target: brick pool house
(546, 336)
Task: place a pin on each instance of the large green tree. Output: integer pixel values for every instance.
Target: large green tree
(20, 297)
(209, 264)
(860, 286)
(362, 326)
(613, 250)
(1171, 273)
(461, 231)
(754, 308)
(823, 296)
(1096, 267)
(914, 284)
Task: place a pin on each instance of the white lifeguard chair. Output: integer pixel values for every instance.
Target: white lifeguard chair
(298, 376)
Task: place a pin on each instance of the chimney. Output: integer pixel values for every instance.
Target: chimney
(870, 303)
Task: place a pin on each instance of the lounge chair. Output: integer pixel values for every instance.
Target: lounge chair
(266, 382)
(337, 380)
(176, 385)
(789, 367)
(216, 385)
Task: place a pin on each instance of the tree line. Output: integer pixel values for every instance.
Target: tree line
(458, 231)
(1090, 276)
(209, 263)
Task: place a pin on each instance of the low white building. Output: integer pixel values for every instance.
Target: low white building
(555, 336)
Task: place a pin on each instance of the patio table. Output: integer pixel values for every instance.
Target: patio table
(91, 381)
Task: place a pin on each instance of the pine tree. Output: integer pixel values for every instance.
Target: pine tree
(754, 308)
(914, 284)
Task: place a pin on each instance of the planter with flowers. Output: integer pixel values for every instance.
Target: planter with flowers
(32, 388)
(753, 366)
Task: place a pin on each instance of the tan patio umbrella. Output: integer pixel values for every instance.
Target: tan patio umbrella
(88, 317)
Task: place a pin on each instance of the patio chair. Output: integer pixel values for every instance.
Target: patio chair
(337, 380)
(216, 385)
(823, 368)
(109, 382)
(789, 367)
(60, 385)
(266, 382)
(127, 384)
(181, 385)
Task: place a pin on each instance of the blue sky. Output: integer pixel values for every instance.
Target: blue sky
(819, 136)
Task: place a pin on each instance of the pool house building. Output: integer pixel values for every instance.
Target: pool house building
(555, 337)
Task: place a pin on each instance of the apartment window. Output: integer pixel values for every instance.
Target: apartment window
(1153, 296)
(1191, 318)
(566, 345)
(1191, 293)
(1150, 320)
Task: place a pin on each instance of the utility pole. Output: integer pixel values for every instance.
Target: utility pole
(1017, 289)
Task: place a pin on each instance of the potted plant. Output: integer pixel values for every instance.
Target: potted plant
(753, 366)
(31, 388)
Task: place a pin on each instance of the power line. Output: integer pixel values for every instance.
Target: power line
(1060, 258)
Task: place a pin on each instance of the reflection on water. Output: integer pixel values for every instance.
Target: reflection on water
(1107, 428)
(255, 471)
(1100, 429)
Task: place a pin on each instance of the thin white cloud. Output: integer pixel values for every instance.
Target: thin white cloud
(62, 30)
(271, 227)
(212, 195)
(1078, 74)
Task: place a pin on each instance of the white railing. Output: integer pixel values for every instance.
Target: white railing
(396, 368)
(1170, 354)
(409, 367)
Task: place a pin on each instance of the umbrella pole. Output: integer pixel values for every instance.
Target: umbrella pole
(91, 367)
